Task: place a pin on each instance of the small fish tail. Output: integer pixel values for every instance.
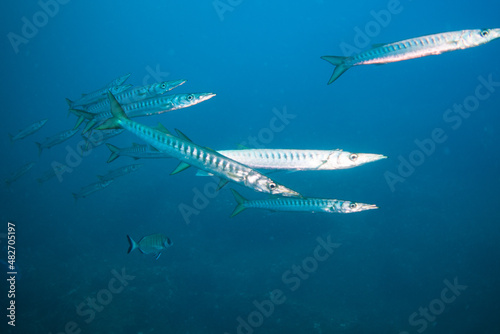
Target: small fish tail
(133, 245)
(340, 68)
(75, 196)
(118, 115)
(11, 138)
(240, 200)
(114, 152)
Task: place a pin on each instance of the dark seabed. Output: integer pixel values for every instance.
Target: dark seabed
(427, 261)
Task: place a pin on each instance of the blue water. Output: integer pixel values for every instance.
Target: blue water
(426, 261)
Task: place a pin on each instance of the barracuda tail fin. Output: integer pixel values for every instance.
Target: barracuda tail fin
(340, 68)
(240, 200)
(89, 126)
(40, 148)
(118, 115)
(11, 138)
(114, 152)
(78, 122)
(133, 245)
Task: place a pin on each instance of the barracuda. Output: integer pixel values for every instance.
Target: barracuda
(300, 205)
(91, 188)
(300, 159)
(56, 139)
(133, 95)
(413, 48)
(115, 173)
(191, 154)
(28, 130)
(17, 174)
(148, 107)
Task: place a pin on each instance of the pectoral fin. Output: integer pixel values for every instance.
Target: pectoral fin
(180, 167)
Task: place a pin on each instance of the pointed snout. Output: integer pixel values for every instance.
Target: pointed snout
(364, 158)
(205, 96)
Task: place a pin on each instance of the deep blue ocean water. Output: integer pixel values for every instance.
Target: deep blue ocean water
(426, 261)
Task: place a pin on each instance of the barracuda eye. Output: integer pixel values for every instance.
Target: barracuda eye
(353, 157)
(352, 206)
(190, 97)
(163, 85)
(272, 186)
(484, 33)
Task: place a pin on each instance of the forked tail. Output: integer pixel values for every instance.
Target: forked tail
(241, 202)
(114, 152)
(340, 68)
(133, 244)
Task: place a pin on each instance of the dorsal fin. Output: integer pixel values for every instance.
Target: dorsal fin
(182, 166)
(182, 135)
(163, 129)
(242, 147)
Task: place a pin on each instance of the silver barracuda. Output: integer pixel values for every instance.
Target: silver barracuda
(18, 173)
(286, 159)
(413, 48)
(115, 173)
(136, 151)
(133, 95)
(29, 130)
(56, 170)
(148, 107)
(91, 188)
(300, 205)
(150, 244)
(55, 139)
(97, 95)
(191, 154)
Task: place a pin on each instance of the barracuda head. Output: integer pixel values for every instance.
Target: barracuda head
(349, 160)
(166, 86)
(118, 89)
(350, 207)
(264, 184)
(187, 100)
(479, 36)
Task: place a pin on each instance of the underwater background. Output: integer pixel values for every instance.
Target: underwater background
(426, 261)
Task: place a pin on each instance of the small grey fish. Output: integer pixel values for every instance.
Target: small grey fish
(28, 130)
(151, 244)
(113, 174)
(55, 139)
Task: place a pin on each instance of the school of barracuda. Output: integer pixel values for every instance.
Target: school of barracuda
(107, 112)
